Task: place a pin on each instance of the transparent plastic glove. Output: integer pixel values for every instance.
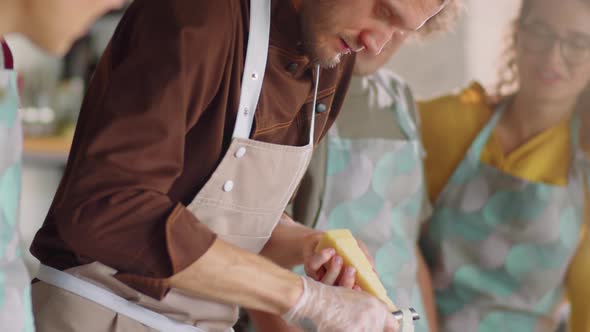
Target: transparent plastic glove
(325, 308)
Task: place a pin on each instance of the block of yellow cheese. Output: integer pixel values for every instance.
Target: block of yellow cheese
(347, 248)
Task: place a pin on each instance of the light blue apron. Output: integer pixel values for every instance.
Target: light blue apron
(500, 246)
(15, 298)
(375, 188)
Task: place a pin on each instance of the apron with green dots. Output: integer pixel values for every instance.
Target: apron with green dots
(499, 246)
(375, 188)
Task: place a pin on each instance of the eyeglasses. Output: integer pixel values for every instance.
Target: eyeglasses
(539, 38)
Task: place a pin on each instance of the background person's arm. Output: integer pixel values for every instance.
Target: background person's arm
(427, 292)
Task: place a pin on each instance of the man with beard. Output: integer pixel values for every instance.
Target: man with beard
(196, 129)
(366, 176)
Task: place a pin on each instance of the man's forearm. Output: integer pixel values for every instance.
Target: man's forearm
(264, 322)
(285, 247)
(228, 274)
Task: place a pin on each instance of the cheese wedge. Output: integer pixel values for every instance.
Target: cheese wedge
(347, 248)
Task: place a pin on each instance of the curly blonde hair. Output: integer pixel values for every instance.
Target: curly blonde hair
(443, 21)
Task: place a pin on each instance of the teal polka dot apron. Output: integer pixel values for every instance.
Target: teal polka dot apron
(499, 246)
(375, 188)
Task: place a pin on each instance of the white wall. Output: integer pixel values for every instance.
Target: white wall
(435, 66)
(487, 35)
(470, 52)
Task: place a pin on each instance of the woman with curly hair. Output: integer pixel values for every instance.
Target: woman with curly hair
(507, 175)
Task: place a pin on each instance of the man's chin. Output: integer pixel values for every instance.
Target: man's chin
(323, 56)
(332, 62)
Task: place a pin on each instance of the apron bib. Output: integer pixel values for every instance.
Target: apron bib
(15, 303)
(502, 245)
(242, 203)
(375, 188)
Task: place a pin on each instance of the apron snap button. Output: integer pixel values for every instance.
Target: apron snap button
(321, 108)
(292, 67)
(240, 152)
(228, 186)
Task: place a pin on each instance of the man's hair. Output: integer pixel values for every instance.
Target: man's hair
(443, 21)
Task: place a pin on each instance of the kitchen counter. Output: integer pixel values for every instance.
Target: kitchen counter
(47, 150)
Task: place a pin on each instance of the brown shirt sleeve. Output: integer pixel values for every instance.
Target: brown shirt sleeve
(153, 83)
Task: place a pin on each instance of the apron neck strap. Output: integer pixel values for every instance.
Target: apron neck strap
(580, 159)
(315, 103)
(482, 138)
(403, 104)
(403, 108)
(254, 67)
(575, 124)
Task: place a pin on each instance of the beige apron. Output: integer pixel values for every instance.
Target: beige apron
(242, 203)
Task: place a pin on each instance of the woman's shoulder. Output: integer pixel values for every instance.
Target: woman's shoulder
(466, 109)
(472, 97)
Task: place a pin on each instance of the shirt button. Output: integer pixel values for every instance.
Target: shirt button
(321, 108)
(240, 152)
(228, 186)
(292, 67)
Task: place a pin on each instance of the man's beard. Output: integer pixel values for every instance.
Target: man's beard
(314, 52)
(312, 45)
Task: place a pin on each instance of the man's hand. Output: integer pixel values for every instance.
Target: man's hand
(337, 309)
(327, 267)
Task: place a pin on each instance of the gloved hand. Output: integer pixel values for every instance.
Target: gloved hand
(323, 308)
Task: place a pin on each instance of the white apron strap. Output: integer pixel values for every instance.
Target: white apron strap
(315, 104)
(254, 67)
(111, 301)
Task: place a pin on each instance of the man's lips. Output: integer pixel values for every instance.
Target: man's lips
(345, 48)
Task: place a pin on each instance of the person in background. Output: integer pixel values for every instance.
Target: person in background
(367, 176)
(196, 128)
(507, 176)
(52, 25)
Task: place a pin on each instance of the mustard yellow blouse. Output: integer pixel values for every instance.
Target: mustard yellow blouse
(451, 123)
